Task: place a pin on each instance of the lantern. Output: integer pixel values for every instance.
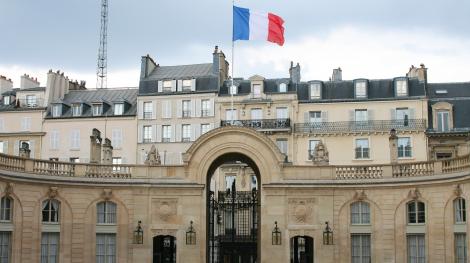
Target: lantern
(276, 235)
(138, 234)
(327, 235)
(191, 235)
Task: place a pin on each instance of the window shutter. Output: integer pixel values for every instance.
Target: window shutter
(178, 134)
(179, 108)
(193, 107)
(351, 115)
(211, 107)
(139, 133)
(370, 115)
(159, 133)
(160, 86)
(393, 114)
(196, 131)
(193, 85)
(173, 133)
(31, 147)
(412, 114)
(169, 105)
(197, 108)
(154, 133)
(16, 150)
(324, 116)
(140, 109)
(306, 117)
(2, 125)
(5, 147)
(154, 111)
(173, 85)
(72, 139)
(180, 85)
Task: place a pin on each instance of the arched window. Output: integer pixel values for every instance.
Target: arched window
(50, 211)
(360, 213)
(460, 210)
(416, 212)
(6, 208)
(106, 212)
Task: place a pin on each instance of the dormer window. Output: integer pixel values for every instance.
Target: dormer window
(256, 91)
(31, 101)
(118, 108)
(97, 109)
(167, 84)
(186, 85)
(233, 90)
(283, 87)
(56, 110)
(360, 89)
(76, 109)
(315, 91)
(6, 100)
(401, 87)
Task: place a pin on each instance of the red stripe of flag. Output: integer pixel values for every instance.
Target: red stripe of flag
(276, 29)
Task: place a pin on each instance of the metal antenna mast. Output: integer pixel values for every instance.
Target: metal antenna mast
(102, 68)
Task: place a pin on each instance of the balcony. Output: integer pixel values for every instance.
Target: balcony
(261, 124)
(360, 126)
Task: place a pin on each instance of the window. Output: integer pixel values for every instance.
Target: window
(54, 140)
(166, 133)
(118, 108)
(116, 162)
(97, 109)
(282, 144)
(416, 248)
(205, 108)
(231, 114)
(360, 88)
(76, 110)
(360, 248)
(283, 87)
(105, 248)
(311, 148)
(6, 100)
(233, 90)
(147, 133)
(256, 91)
(360, 213)
(148, 110)
(74, 159)
(402, 113)
(56, 110)
(460, 243)
(50, 211)
(460, 211)
(360, 115)
(167, 85)
(3, 146)
(229, 180)
(256, 114)
(186, 131)
(315, 117)
(6, 209)
(116, 138)
(404, 147)
(31, 101)
(401, 88)
(5, 246)
(187, 83)
(75, 139)
(49, 247)
(186, 108)
(416, 212)
(106, 213)
(315, 91)
(282, 113)
(26, 124)
(205, 128)
(443, 120)
(362, 148)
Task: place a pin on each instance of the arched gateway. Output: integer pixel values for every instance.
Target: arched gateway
(232, 216)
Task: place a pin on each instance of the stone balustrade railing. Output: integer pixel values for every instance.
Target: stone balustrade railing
(332, 172)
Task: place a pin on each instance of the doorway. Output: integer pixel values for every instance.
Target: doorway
(164, 249)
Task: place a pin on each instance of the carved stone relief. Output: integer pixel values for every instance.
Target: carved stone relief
(164, 210)
(301, 211)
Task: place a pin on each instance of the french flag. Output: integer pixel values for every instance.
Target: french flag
(252, 25)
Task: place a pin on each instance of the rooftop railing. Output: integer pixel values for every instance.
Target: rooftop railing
(259, 124)
(360, 126)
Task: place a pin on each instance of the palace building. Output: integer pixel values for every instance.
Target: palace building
(193, 166)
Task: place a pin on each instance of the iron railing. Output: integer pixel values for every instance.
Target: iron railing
(261, 124)
(361, 126)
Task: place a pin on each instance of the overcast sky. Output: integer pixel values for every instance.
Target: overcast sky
(366, 38)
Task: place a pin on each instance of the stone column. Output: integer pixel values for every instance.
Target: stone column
(95, 146)
(393, 142)
(107, 152)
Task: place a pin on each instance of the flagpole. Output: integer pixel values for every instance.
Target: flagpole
(231, 86)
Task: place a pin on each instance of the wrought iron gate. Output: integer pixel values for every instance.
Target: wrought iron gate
(233, 226)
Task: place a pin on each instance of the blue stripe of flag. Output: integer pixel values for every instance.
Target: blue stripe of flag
(241, 23)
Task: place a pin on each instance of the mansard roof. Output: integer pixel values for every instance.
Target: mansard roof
(181, 72)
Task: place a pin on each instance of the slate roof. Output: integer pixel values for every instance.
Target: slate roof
(88, 97)
(180, 72)
(244, 86)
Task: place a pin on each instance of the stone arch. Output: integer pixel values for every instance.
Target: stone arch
(344, 226)
(206, 150)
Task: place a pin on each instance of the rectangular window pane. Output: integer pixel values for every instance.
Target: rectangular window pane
(282, 144)
(118, 109)
(49, 247)
(460, 242)
(360, 248)
(311, 148)
(416, 249)
(360, 115)
(362, 148)
(5, 246)
(404, 147)
(106, 248)
(315, 91)
(315, 117)
(166, 133)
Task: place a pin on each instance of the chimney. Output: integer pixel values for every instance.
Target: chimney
(5, 84)
(294, 73)
(420, 73)
(57, 86)
(337, 74)
(220, 65)
(28, 82)
(147, 66)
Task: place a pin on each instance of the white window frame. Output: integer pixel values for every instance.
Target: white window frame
(186, 84)
(31, 101)
(443, 125)
(97, 109)
(117, 161)
(362, 211)
(77, 109)
(56, 110)
(283, 87)
(460, 247)
(205, 107)
(6, 100)
(360, 89)
(6, 209)
(106, 213)
(401, 87)
(205, 127)
(403, 153)
(400, 113)
(186, 108)
(166, 133)
(282, 113)
(363, 152)
(232, 113)
(47, 239)
(107, 241)
(256, 90)
(118, 108)
(147, 133)
(361, 115)
(186, 132)
(167, 85)
(147, 110)
(5, 246)
(53, 215)
(311, 151)
(460, 210)
(420, 241)
(358, 245)
(416, 212)
(314, 91)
